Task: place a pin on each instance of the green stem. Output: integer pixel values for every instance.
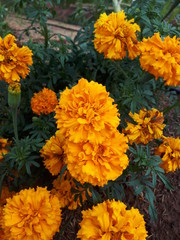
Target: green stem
(14, 117)
(123, 72)
(46, 38)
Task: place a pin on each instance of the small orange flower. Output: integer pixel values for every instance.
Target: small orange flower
(44, 102)
(161, 58)
(4, 147)
(32, 215)
(114, 36)
(111, 221)
(63, 190)
(86, 112)
(53, 154)
(149, 126)
(97, 163)
(14, 61)
(169, 151)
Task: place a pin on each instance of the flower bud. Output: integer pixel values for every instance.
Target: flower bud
(14, 94)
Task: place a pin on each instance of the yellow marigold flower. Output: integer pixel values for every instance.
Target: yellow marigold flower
(111, 221)
(32, 215)
(161, 58)
(97, 163)
(44, 102)
(53, 154)
(3, 235)
(114, 36)
(149, 126)
(169, 151)
(14, 60)
(86, 112)
(4, 144)
(63, 190)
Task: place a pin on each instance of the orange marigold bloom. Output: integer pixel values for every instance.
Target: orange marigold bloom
(86, 112)
(149, 126)
(111, 221)
(4, 144)
(169, 151)
(114, 36)
(97, 163)
(14, 61)
(32, 215)
(44, 102)
(63, 190)
(53, 154)
(161, 58)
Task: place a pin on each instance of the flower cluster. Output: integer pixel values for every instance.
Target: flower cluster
(53, 154)
(95, 150)
(4, 144)
(32, 215)
(161, 58)
(169, 151)
(149, 125)
(111, 220)
(44, 102)
(14, 60)
(62, 188)
(114, 36)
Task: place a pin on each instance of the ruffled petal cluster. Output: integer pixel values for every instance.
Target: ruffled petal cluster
(14, 60)
(149, 125)
(86, 112)
(169, 151)
(161, 58)
(63, 189)
(111, 221)
(114, 36)
(97, 163)
(53, 154)
(32, 215)
(94, 149)
(4, 147)
(44, 102)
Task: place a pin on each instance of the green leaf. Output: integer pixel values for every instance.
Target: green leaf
(62, 171)
(152, 213)
(165, 181)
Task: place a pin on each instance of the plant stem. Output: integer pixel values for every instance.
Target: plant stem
(14, 117)
(123, 72)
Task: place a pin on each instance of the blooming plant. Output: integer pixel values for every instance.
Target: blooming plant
(84, 123)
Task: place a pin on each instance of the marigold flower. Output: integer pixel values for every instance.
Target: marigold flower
(169, 151)
(32, 215)
(4, 145)
(110, 220)
(149, 126)
(97, 163)
(114, 36)
(44, 102)
(161, 58)
(14, 61)
(86, 112)
(53, 154)
(63, 190)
